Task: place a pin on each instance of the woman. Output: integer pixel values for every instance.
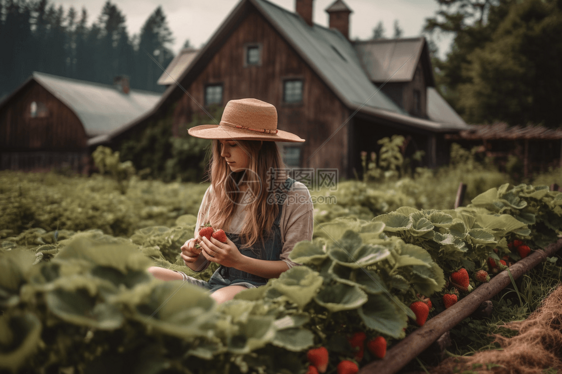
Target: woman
(263, 213)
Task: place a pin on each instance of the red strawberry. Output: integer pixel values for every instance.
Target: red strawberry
(312, 370)
(220, 236)
(425, 300)
(492, 263)
(357, 341)
(206, 231)
(421, 310)
(482, 276)
(510, 245)
(377, 346)
(319, 358)
(523, 250)
(347, 367)
(503, 263)
(449, 300)
(461, 278)
(517, 243)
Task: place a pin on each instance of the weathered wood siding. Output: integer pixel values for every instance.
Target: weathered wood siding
(314, 120)
(418, 83)
(39, 144)
(60, 131)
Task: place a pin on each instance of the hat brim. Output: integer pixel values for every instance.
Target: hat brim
(224, 132)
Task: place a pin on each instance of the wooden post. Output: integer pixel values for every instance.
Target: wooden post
(554, 187)
(460, 195)
(526, 160)
(409, 348)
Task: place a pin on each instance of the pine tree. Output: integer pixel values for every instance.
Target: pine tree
(398, 32)
(154, 51)
(378, 32)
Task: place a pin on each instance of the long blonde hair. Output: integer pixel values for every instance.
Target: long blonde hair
(263, 156)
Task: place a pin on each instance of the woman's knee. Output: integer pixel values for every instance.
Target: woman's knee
(226, 293)
(164, 274)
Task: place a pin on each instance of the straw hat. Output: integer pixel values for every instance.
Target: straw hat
(246, 119)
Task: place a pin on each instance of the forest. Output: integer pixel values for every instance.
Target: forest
(41, 36)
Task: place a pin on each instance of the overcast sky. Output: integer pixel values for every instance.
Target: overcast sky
(197, 20)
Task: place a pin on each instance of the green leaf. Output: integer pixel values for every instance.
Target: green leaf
(412, 255)
(365, 255)
(299, 284)
(341, 297)
(80, 308)
(295, 339)
(381, 315)
(428, 280)
(481, 236)
(20, 336)
(175, 308)
(440, 219)
(252, 335)
(394, 222)
(308, 252)
(369, 281)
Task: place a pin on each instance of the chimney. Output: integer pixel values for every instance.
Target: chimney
(121, 83)
(339, 17)
(304, 9)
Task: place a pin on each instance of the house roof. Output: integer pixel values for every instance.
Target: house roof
(177, 66)
(101, 108)
(338, 6)
(439, 110)
(393, 60)
(502, 131)
(330, 55)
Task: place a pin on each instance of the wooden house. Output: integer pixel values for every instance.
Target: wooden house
(46, 123)
(326, 88)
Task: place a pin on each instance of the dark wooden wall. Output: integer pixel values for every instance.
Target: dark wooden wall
(61, 130)
(402, 93)
(39, 143)
(314, 120)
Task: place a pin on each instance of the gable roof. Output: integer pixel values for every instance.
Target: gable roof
(177, 66)
(329, 54)
(439, 110)
(101, 108)
(394, 60)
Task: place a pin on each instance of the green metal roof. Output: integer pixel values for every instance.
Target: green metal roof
(101, 108)
(331, 55)
(439, 110)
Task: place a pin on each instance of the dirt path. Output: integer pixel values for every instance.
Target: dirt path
(536, 349)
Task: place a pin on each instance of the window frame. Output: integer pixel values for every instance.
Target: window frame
(41, 110)
(283, 91)
(287, 145)
(209, 85)
(247, 47)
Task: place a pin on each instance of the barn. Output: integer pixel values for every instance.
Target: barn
(340, 95)
(46, 123)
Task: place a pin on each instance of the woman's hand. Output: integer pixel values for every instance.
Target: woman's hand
(189, 253)
(225, 254)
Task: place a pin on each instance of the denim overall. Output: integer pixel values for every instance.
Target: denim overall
(271, 251)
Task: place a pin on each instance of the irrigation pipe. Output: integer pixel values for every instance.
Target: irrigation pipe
(410, 347)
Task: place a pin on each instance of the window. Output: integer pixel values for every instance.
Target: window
(292, 91)
(292, 156)
(38, 110)
(417, 101)
(213, 94)
(253, 55)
